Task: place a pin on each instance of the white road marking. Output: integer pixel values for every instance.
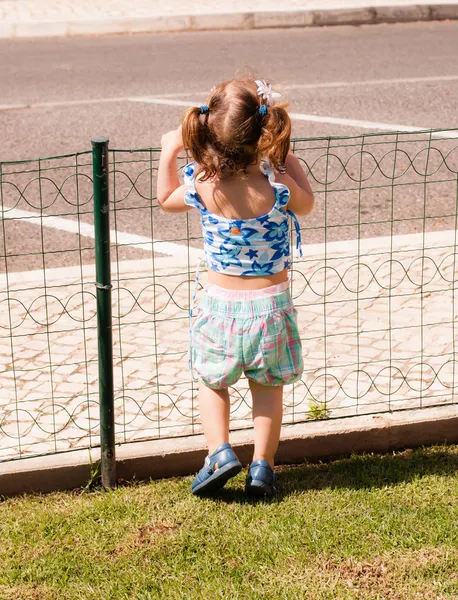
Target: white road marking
(165, 101)
(118, 237)
(340, 84)
(151, 100)
(389, 127)
(61, 103)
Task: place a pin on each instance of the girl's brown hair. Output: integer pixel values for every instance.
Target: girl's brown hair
(233, 134)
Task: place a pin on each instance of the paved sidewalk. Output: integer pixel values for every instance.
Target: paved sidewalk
(388, 347)
(23, 18)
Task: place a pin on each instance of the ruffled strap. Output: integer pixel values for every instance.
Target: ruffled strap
(191, 197)
(282, 193)
(297, 227)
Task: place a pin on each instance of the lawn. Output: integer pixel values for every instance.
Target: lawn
(372, 527)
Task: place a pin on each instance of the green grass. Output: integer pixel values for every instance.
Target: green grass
(368, 527)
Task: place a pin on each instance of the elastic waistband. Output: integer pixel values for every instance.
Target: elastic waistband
(215, 291)
(255, 306)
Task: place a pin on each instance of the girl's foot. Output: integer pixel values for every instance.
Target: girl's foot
(218, 468)
(261, 479)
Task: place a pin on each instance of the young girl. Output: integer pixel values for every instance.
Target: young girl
(245, 183)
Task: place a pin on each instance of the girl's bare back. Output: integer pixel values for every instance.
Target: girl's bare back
(242, 197)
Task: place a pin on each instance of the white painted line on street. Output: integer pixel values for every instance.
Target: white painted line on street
(87, 229)
(353, 123)
(13, 106)
(201, 94)
(340, 84)
(165, 101)
(64, 103)
(61, 103)
(370, 125)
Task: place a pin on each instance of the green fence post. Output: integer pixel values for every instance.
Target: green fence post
(104, 323)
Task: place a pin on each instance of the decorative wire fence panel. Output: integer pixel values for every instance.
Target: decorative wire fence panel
(375, 293)
(377, 299)
(48, 334)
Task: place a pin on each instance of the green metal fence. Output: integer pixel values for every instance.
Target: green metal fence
(375, 292)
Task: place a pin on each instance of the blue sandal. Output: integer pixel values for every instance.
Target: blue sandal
(261, 479)
(218, 468)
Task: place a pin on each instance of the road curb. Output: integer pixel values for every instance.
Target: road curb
(366, 15)
(312, 441)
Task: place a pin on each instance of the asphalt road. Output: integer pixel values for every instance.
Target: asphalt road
(350, 80)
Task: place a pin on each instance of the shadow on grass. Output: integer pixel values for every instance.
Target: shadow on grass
(365, 471)
(359, 471)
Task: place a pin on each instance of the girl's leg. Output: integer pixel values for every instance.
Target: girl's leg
(214, 409)
(267, 419)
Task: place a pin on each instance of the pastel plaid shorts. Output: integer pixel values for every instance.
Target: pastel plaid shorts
(258, 337)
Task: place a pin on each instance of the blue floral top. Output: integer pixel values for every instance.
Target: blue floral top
(258, 246)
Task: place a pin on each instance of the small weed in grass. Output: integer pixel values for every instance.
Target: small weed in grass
(94, 480)
(318, 410)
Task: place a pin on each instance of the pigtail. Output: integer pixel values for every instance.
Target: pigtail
(194, 133)
(274, 142)
(197, 139)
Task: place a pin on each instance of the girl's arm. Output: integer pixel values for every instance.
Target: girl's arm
(295, 170)
(170, 193)
(301, 201)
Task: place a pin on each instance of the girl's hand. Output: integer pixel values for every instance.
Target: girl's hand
(173, 140)
(301, 200)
